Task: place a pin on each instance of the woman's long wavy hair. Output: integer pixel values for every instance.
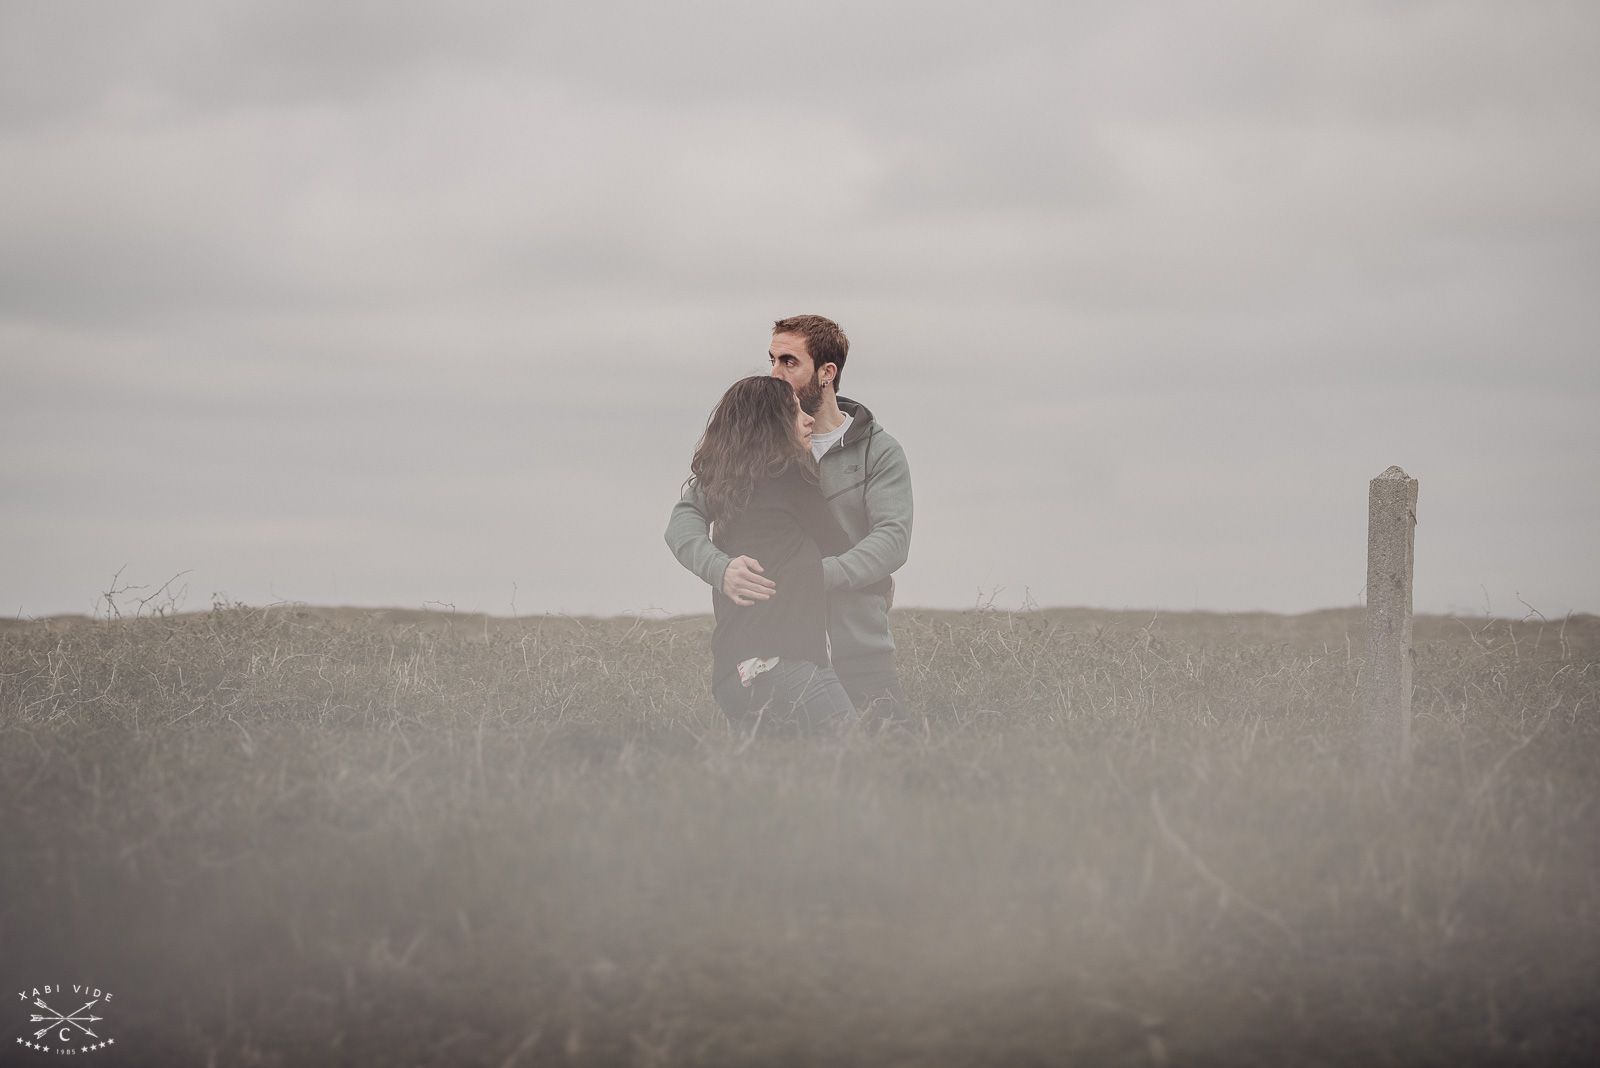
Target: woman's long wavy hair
(750, 436)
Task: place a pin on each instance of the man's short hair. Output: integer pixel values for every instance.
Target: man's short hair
(824, 341)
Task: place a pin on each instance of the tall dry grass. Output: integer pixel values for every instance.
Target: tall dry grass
(293, 837)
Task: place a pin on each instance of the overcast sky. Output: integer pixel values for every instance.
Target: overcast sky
(385, 303)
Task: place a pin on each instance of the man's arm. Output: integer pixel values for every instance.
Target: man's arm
(888, 540)
(689, 538)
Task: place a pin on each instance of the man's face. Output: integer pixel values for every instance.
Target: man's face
(792, 363)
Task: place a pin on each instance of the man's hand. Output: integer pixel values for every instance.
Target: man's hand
(744, 585)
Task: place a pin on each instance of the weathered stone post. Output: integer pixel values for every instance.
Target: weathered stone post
(1386, 674)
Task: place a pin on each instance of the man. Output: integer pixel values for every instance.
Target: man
(867, 485)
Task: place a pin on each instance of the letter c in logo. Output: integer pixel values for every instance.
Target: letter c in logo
(64, 1036)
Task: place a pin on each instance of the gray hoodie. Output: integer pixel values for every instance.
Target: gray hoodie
(867, 485)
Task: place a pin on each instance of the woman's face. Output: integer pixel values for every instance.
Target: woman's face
(802, 427)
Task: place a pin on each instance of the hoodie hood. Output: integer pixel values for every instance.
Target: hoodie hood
(862, 424)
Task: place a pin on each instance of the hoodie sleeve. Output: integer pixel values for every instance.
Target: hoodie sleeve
(689, 538)
(888, 540)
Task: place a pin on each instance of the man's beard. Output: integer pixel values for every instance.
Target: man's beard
(810, 396)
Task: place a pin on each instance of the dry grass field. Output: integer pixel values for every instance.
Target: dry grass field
(310, 837)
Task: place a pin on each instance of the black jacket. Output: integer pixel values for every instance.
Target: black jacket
(788, 529)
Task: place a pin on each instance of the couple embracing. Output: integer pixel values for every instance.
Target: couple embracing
(797, 512)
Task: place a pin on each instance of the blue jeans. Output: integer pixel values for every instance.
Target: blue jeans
(797, 695)
(874, 689)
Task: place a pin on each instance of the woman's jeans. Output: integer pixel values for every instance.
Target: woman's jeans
(794, 695)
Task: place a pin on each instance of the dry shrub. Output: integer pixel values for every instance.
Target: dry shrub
(295, 837)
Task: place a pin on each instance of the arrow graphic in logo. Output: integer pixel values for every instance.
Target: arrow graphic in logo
(74, 1019)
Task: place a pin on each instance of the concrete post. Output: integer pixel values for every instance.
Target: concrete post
(1386, 673)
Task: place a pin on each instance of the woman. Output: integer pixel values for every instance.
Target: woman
(754, 471)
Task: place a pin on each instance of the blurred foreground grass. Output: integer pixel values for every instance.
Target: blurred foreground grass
(302, 837)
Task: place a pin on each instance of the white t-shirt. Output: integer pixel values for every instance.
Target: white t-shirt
(821, 443)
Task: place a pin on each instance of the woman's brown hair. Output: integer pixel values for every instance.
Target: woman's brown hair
(750, 436)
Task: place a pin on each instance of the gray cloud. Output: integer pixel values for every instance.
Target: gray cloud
(281, 283)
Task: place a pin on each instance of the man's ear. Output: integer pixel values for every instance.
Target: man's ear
(833, 372)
